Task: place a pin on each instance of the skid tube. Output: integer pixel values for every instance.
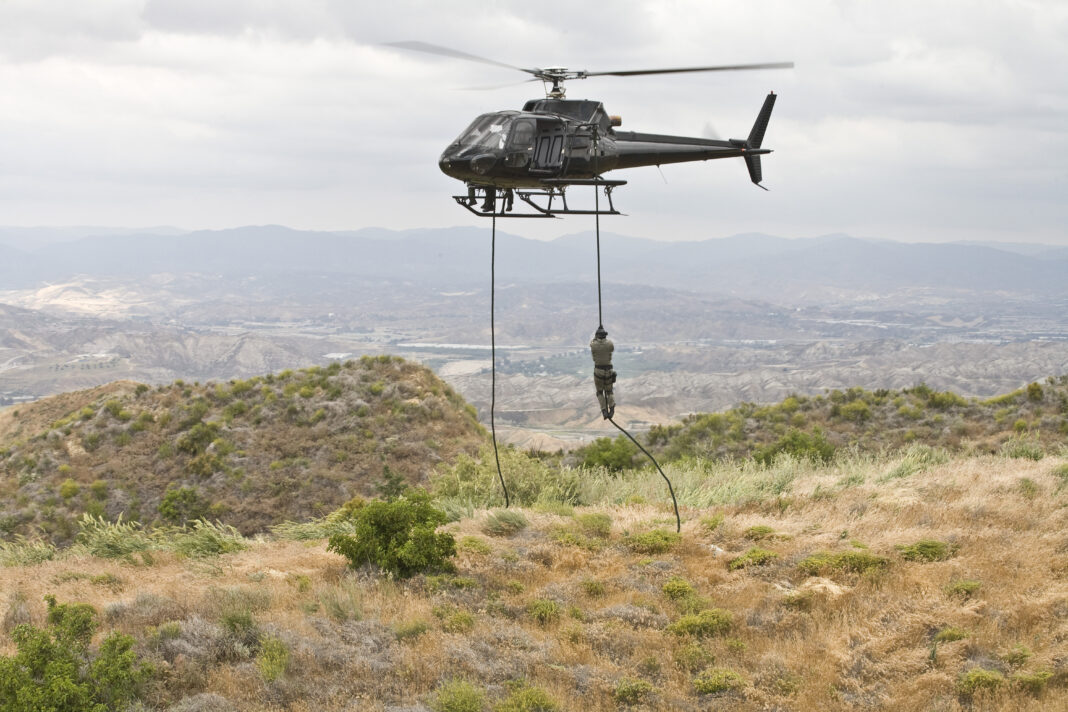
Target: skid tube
(499, 202)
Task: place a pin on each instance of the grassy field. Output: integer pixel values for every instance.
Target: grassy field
(918, 581)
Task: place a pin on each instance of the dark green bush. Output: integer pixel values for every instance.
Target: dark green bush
(927, 550)
(806, 446)
(714, 621)
(656, 541)
(613, 454)
(715, 680)
(55, 670)
(754, 557)
(181, 505)
(399, 537)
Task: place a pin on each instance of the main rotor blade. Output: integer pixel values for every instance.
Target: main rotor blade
(722, 68)
(493, 87)
(446, 52)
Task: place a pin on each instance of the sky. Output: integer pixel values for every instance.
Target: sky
(911, 121)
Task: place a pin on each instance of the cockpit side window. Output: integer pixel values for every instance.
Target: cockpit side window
(522, 135)
(489, 131)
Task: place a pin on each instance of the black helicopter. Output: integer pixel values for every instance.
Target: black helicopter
(553, 143)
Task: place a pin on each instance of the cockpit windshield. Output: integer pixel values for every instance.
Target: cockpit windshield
(488, 131)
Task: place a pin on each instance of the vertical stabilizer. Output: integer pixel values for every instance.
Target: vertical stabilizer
(756, 136)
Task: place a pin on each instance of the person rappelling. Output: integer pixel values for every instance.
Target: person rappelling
(601, 347)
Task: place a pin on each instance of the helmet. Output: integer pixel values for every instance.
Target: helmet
(601, 333)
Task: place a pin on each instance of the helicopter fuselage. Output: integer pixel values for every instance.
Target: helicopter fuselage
(558, 140)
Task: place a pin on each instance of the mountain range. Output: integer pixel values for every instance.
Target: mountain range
(750, 265)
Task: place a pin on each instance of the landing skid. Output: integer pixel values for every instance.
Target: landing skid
(500, 202)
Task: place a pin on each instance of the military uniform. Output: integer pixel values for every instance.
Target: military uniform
(603, 375)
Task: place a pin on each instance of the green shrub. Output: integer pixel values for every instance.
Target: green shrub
(398, 537)
(758, 532)
(181, 505)
(963, 587)
(979, 679)
(950, 634)
(630, 691)
(712, 523)
(1032, 682)
(803, 446)
(692, 657)
(1017, 656)
(458, 696)
(411, 629)
(592, 588)
(473, 545)
(525, 698)
(595, 524)
(707, 623)
(544, 611)
(677, 588)
(858, 562)
(504, 522)
(69, 489)
(613, 454)
(927, 550)
(458, 622)
(273, 659)
(55, 670)
(656, 541)
(754, 557)
(858, 411)
(715, 680)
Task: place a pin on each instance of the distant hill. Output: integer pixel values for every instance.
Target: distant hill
(1029, 422)
(248, 452)
(746, 265)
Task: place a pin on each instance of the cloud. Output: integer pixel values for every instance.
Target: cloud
(902, 119)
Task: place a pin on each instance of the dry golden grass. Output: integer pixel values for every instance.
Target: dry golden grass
(836, 641)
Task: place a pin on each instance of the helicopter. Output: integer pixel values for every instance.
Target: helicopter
(536, 153)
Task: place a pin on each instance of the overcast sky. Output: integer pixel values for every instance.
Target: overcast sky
(903, 120)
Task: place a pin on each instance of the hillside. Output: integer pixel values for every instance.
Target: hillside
(1024, 423)
(250, 453)
(859, 585)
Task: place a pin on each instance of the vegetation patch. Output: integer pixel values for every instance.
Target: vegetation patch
(656, 541)
(632, 691)
(399, 537)
(458, 696)
(55, 669)
(754, 557)
(858, 562)
(927, 550)
(979, 680)
(504, 522)
(964, 588)
(950, 634)
(707, 623)
(716, 680)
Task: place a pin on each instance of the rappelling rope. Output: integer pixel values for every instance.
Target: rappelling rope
(600, 322)
(493, 348)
